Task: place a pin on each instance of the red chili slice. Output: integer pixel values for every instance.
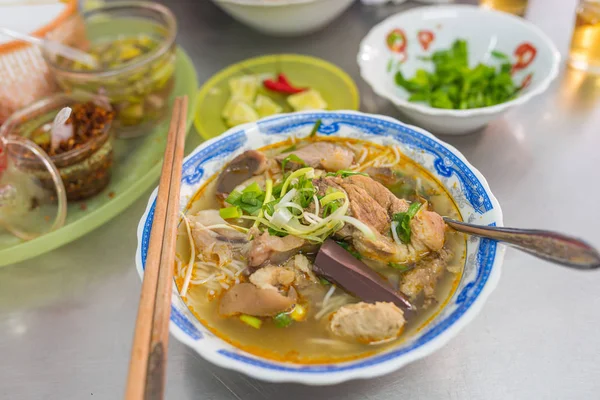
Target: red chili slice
(282, 85)
(396, 41)
(525, 55)
(425, 38)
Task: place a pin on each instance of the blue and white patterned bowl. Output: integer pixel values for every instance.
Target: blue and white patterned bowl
(466, 185)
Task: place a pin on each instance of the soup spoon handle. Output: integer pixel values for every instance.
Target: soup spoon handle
(551, 246)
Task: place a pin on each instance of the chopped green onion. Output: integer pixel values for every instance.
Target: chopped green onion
(282, 320)
(310, 172)
(292, 158)
(230, 212)
(324, 281)
(291, 148)
(275, 232)
(330, 207)
(345, 173)
(249, 320)
(332, 197)
(401, 267)
(234, 197)
(315, 128)
(253, 188)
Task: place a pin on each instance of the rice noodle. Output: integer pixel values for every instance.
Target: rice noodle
(328, 295)
(190, 266)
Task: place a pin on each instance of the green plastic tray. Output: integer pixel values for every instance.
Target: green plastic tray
(137, 166)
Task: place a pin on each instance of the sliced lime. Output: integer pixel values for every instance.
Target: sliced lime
(242, 113)
(244, 87)
(309, 100)
(265, 106)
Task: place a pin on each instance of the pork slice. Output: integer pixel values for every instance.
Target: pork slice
(425, 276)
(329, 156)
(274, 249)
(380, 193)
(240, 169)
(428, 228)
(219, 245)
(271, 277)
(366, 209)
(368, 323)
(245, 298)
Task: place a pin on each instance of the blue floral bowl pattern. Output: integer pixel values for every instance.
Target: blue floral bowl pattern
(466, 185)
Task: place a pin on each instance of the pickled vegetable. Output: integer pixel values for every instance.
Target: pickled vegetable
(139, 85)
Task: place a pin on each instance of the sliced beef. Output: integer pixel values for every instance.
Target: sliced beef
(240, 169)
(425, 276)
(271, 277)
(429, 228)
(362, 205)
(329, 156)
(245, 298)
(274, 249)
(219, 245)
(368, 323)
(380, 193)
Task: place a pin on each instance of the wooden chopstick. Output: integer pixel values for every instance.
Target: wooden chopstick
(147, 366)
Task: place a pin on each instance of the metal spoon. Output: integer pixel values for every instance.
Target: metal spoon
(53, 47)
(551, 246)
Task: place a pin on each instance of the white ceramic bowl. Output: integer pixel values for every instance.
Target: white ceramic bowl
(284, 17)
(466, 185)
(485, 30)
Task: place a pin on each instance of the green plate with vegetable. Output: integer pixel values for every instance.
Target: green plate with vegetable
(272, 84)
(136, 168)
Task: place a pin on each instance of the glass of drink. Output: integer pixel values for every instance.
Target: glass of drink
(517, 7)
(585, 44)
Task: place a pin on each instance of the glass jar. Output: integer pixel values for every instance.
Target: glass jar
(29, 208)
(86, 170)
(138, 89)
(585, 43)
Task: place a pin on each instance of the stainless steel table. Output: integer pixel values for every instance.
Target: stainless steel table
(67, 318)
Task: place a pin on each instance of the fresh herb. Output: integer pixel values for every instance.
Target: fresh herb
(306, 191)
(249, 320)
(390, 64)
(345, 173)
(230, 212)
(453, 85)
(249, 200)
(292, 158)
(282, 320)
(350, 249)
(401, 267)
(499, 55)
(315, 128)
(403, 218)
